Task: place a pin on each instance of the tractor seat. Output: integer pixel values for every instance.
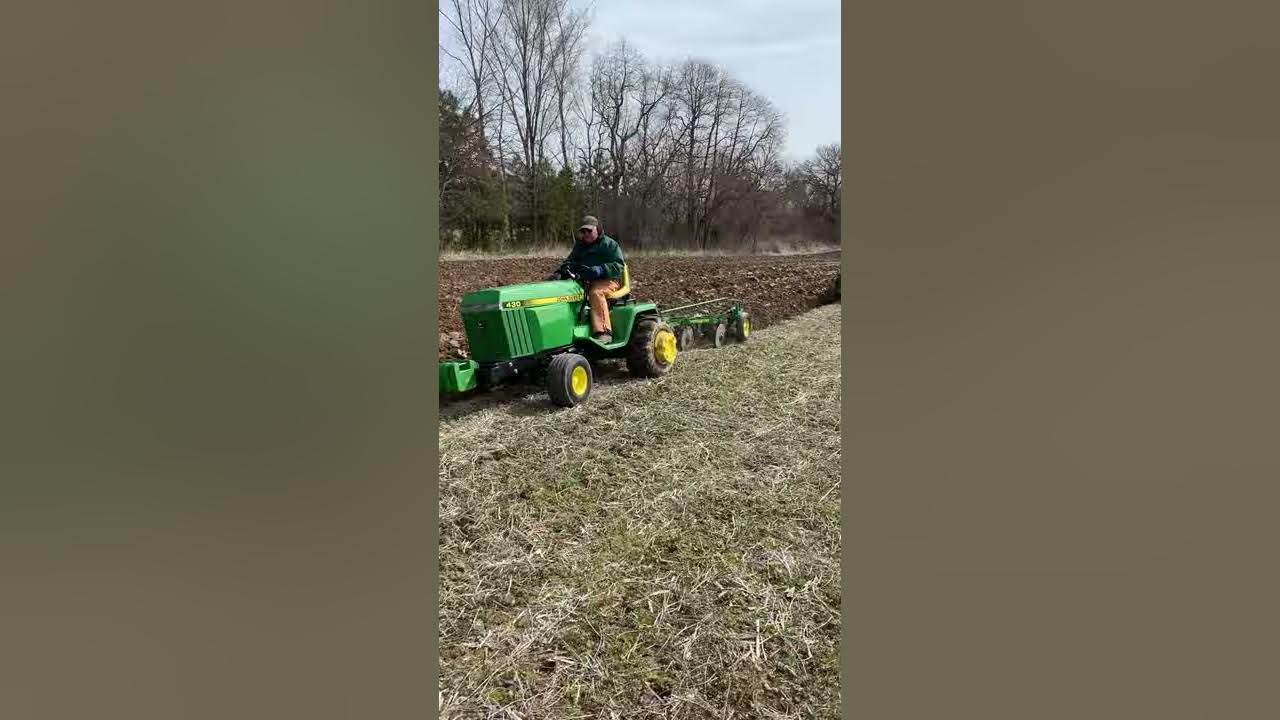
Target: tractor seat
(622, 295)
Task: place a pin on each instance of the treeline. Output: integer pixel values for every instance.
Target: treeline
(541, 129)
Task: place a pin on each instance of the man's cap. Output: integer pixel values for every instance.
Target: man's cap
(589, 222)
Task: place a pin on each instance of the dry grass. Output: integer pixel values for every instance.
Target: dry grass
(544, 251)
(683, 565)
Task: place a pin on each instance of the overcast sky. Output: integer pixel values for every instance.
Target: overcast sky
(788, 52)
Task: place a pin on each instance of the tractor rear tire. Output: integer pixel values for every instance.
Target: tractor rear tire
(742, 327)
(569, 379)
(652, 349)
(719, 335)
(685, 338)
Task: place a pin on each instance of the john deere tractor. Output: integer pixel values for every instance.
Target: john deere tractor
(541, 332)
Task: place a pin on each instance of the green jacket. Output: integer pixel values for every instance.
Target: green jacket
(604, 253)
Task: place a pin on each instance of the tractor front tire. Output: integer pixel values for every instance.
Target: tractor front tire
(569, 379)
(652, 350)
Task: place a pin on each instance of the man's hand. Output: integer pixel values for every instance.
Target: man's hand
(595, 272)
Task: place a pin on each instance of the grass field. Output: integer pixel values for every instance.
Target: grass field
(670, 549)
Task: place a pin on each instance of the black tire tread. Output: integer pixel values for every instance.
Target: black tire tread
(641, 360)
(737, 327)
(559, 378)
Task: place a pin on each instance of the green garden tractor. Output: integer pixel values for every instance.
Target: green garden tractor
(541, 332)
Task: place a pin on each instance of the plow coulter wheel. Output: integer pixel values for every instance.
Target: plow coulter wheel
(720, 333)
(684, 340)
(652, 350)
(569, 379)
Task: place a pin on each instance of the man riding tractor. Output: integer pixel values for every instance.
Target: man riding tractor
(596, 258)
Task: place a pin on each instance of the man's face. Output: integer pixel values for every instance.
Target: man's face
(588, 234)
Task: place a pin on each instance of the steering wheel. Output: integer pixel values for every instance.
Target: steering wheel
(572, 270)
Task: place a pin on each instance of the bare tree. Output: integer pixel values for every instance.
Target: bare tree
(570, 30)
(475, 23)
(746, 153)
(730, 137)
(694, 97)
(527, 56)
(682, 155)
(656, 150)
(529, 53)
(822, 174)
(589, 149)
(625, 94)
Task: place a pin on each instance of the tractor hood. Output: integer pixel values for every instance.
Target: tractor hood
(515, 297)
(518, 321)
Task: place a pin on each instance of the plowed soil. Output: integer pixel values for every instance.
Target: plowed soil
(772, 288)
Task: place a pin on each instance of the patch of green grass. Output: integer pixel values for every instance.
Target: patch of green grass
(670, 549)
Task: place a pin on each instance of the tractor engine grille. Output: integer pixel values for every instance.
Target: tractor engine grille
(518, 338)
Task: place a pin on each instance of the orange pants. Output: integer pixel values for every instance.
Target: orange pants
(600, 305)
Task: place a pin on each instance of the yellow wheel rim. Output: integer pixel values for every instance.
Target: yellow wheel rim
(664, 347)
(746, 327)
(579, 380)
